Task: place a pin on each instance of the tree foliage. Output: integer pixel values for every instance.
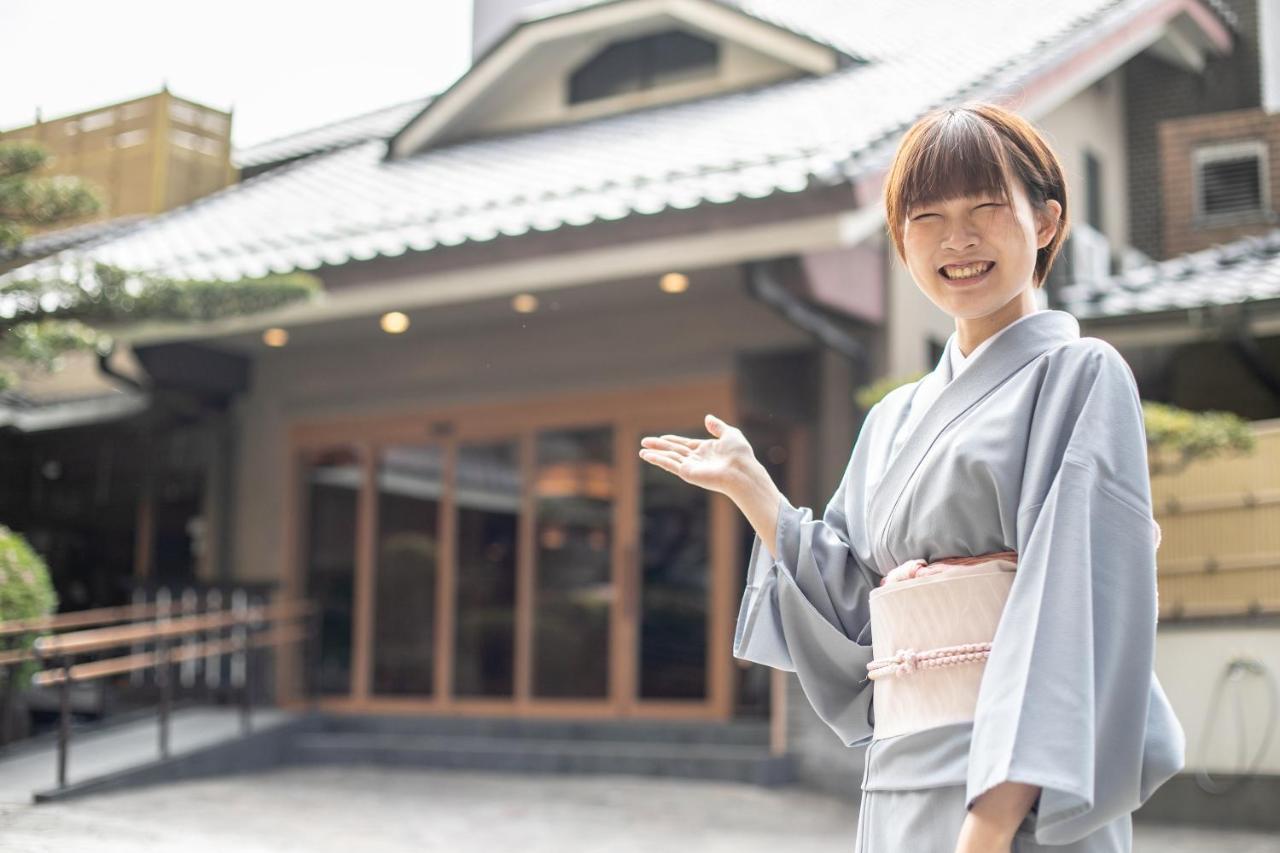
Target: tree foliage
(75, 305)
(26, 592)
(28, 198)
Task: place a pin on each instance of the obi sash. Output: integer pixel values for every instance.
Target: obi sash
(931, 635)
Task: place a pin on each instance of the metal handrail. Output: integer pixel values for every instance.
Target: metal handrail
(78, 619)
(163, 632)
(96, 639)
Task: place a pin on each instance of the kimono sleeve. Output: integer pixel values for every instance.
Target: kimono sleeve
(1069, 699)
(805, 610)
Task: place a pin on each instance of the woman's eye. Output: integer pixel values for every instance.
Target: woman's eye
(984, 204)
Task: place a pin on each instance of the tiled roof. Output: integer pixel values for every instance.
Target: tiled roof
(48, 242)
(350, 204)
(376, 124)
(1243, 270)
(24, 415)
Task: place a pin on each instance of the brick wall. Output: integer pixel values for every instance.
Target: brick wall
(1156, 91)
(1177, 138)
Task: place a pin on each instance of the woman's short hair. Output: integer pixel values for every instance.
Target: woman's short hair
(969, 150)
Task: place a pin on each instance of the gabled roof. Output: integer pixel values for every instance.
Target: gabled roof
(1244, 270)
(546, 33)
(349, 204)
(375, 124)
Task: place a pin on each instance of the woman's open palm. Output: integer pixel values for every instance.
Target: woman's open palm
(707, 462)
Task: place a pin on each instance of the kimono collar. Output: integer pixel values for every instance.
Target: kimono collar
(952, 350)
(1031, 337)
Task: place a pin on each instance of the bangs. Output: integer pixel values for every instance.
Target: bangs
(958, 156)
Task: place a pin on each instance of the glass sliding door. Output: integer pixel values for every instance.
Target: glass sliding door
(331, 482)
(487, 496)
(574, 486)
(675, 574)
(410, 481)
(513, 558)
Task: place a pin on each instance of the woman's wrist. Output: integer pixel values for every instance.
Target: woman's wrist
(756, 495)
(977, 836)
(750, 485)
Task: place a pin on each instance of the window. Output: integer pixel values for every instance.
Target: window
(936, 349)
(1093, 190)
(1230, 182)
(129, 138)
(185, 113)
(98, 120)
(195, 142)
(644, 63)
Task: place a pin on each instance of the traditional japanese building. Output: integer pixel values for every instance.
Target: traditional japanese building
(624, 216)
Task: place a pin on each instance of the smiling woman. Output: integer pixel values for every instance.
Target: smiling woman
(995, 453)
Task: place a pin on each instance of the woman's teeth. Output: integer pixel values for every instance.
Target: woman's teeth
(970, 271)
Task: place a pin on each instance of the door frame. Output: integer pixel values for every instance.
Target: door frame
(629, 411)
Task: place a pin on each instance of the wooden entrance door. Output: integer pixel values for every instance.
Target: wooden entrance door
(523, 561)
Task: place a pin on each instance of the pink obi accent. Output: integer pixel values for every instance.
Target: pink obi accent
(931, 634)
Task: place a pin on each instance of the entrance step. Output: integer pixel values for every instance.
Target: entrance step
(735, 751)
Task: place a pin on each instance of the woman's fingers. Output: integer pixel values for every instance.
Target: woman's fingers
(664, 444)
(664, 459)
(691, 443)
(715, 426)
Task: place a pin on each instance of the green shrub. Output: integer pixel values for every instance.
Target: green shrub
(26, 592)
(1176, 437)
(870, 394)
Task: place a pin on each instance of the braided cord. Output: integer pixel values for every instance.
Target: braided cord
(907, 661)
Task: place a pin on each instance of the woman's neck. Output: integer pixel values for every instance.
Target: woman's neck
(970, 333)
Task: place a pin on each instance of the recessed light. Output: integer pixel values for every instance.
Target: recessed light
(674, 282)
(525, 303)
(394, 322)
(275, 337)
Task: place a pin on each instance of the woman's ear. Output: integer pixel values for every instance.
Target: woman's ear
(1049, 221)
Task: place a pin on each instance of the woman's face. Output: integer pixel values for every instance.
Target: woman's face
(979, 231)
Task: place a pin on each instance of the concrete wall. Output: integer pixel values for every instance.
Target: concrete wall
(1190, 660)
(548, 352)
(1094, 121)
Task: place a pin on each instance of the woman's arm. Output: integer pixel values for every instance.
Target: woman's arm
(726, 464)
(755, 493)
(995, 817)
(805, 596)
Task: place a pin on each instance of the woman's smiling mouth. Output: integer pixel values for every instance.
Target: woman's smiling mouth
(966, 274)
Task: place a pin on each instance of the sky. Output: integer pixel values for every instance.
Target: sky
(281, 65)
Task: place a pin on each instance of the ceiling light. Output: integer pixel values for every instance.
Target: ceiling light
(394, 322)
(674, 282)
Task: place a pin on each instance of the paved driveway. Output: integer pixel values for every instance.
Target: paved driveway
(373, 810)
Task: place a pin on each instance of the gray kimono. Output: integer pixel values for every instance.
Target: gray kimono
(1038, 446)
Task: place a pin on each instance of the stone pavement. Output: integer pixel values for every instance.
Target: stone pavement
(106, 749)
(379, 810)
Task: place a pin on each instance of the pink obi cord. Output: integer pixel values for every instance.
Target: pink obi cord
(907, 661)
